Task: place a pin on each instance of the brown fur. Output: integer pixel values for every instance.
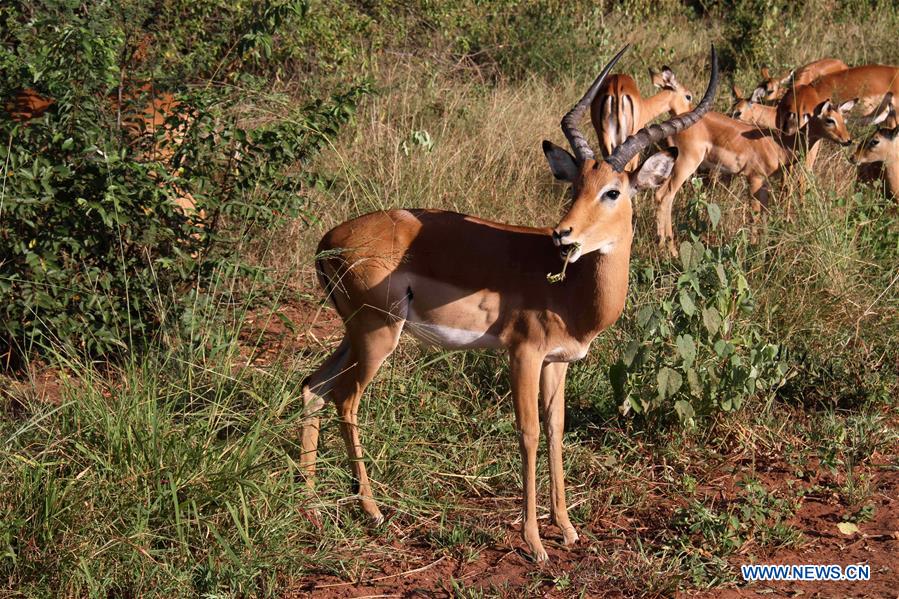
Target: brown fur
(619, 110)
(721, 143)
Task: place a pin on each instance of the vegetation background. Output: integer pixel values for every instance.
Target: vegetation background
(163, 459)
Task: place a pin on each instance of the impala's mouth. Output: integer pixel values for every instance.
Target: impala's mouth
(570, 252)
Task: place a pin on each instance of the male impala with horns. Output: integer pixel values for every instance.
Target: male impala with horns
(461, 282)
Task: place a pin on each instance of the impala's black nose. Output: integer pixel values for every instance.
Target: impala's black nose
(558, 236)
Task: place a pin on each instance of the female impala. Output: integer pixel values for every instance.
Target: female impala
(721, 143)
(619, 110)
(460, 282)
(882, 146)
(867, 84)
(773, 88)
(751, 111)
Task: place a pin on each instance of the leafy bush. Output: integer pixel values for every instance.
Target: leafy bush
(695, 349)
(94, 252)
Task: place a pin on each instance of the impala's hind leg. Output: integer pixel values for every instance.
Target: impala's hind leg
(371, 341)
(316, 390)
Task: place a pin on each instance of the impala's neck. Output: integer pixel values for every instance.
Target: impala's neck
(656, 104)
(601, 282)
(891, 172)
(791, 145)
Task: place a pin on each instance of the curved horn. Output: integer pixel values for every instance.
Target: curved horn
(640, 140)
(582, 151)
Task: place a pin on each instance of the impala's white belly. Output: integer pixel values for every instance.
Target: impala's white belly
(567, 353)
(441, 315)
(449, 337)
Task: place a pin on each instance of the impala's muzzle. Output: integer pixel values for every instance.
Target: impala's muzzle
(568, 248)
(560, 236)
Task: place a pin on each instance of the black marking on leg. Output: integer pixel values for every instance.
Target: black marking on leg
(354, 487)
(409, 294)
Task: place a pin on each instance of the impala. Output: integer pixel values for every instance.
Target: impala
(868, 84)
(619, 110)
(27, 104)
(773, 88)
(882, 146)
(460, 282)
(751, 111)
(729, 146)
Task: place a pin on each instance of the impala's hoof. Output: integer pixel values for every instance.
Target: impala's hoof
(375, 517)
(535, 548)
(569, 536)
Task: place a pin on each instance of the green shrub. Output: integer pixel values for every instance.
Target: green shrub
(94, 253)
(695, 349)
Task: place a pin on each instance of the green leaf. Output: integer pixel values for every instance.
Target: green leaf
(694, 382)
(618, 379)
(630, 353)
(714, 214)
(722, 276)
(848, 528)
(686, 348)
(711, 319)
(644, 315)
(686, 303)
(669, 381)
(684, 409)
(686, 254)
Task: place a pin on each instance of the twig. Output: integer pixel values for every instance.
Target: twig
(380, 578)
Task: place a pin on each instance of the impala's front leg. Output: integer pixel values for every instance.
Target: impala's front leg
(525, 371)
(552, 394)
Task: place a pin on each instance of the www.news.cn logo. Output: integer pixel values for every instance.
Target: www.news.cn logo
(804, 572)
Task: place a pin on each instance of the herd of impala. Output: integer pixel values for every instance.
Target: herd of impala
(459, 282)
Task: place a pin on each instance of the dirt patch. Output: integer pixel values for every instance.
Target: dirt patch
(593, 567)
(877, 544)
(269, 335)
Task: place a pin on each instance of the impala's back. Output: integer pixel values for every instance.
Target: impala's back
(616, 111)
(868, 84)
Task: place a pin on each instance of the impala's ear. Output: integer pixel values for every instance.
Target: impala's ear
(654, 170)
(765, 73)
(561, 163)
(821, 108)
(788, 78)
(847, 106)
(758, 94)
(668, 80)
(738, 94)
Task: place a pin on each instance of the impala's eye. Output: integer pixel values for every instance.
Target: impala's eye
(873, 142)
(831, 122)
(613, 194)
(689, 97)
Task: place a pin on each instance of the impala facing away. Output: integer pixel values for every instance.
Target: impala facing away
(774, 88)
(732, 147)
(618, 110)
(460, 282)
